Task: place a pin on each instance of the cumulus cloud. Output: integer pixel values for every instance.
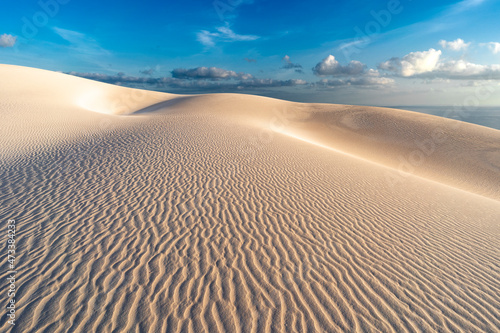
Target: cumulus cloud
(210, 73)
(330, 66)
(493, 46)
(222, 34)
(461, 69)
(354, 73)
(427, 64)
(7, 40)
(413, 63)
(455, 45)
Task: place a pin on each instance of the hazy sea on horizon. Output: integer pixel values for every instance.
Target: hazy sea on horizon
(488, 116)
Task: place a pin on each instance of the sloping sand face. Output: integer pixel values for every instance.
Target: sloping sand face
(241, 213)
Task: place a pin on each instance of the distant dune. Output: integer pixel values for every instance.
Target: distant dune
(141, 211)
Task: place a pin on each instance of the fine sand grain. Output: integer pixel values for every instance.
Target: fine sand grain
(140, 211)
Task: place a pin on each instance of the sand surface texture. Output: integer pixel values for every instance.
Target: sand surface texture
(139, 211)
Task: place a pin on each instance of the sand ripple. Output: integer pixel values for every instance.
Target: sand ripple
(168, 222)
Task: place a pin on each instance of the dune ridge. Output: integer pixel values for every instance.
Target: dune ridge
(150, 212)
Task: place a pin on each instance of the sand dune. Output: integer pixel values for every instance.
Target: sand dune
(148, 212)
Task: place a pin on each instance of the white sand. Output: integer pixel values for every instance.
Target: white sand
(148, 212)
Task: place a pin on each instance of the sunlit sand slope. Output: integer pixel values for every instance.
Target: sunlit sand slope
(241, 213)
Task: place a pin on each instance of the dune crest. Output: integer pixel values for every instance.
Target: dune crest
(237, 213)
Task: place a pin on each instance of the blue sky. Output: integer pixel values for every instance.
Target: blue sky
(396, 52)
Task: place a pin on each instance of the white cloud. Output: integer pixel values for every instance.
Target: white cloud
(223, 34)
(7, 40)
(460, 69)
(352, 43)
(413, 63)
(427, 64)
(206, 37)
(330, 66)
(228, 34)
(493, 46)
(455, 45)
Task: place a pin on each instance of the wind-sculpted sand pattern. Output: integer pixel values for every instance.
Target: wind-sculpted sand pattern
(165, 224)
